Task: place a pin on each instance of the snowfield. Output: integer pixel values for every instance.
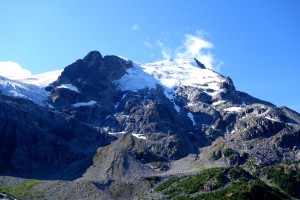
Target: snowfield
(171, 75)
(31, 87)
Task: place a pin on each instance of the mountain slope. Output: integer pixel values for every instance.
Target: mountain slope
(117, 120)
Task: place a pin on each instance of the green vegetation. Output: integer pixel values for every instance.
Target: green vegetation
(256, 189)
(231, 156)
(219, 183)
(24, 190)
(285, 176)
(208, 179)
(167, 183)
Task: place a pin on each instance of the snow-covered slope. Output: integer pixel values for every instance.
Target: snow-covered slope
(41, 80)
(32, 87)
(170, 74)
(23, 90)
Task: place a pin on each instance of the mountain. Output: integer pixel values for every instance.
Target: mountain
(108, 123)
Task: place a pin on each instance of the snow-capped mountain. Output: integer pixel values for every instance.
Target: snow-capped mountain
(108, 118)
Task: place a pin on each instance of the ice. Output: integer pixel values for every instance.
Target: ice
(84, 104)
(69, 86)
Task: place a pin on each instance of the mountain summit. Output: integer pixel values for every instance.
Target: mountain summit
(109, 119)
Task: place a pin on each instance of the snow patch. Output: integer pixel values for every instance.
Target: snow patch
(233, 109)
(190, 115)
(136, 79)
(170, 95)
(117, 133)
(69, 86)
(218, 103)
(107, 117)
(269, 118)
(76, 105)
(123, 97)
(139, 136)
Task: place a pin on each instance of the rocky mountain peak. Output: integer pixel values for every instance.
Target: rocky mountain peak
(90, 78)
(142, 119)
(93, 56)
(201, 65)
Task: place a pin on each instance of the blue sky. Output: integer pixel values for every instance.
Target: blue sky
(256, 43)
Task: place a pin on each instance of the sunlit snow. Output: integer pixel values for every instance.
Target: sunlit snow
(233, 109)
(42, 80)
(269, 118)
(69, 86)
(23, 90)
(140, 136)
(170, 74)
(117, 133)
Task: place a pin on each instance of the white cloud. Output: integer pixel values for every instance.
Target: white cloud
(135, 27)
(13, 70)
(148, 44)
(165, 51)
(193, 46)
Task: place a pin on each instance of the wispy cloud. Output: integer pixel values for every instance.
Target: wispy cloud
(135, 27)
(13, 70)
(148, 44)
(193, 46)
(165, 51)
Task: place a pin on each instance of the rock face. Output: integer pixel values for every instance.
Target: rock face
(36, 142)
(148, 114)
(92, 76)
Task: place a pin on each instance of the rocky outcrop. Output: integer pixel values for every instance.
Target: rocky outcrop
(92, 76)
(199, 64)
(39, 143)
